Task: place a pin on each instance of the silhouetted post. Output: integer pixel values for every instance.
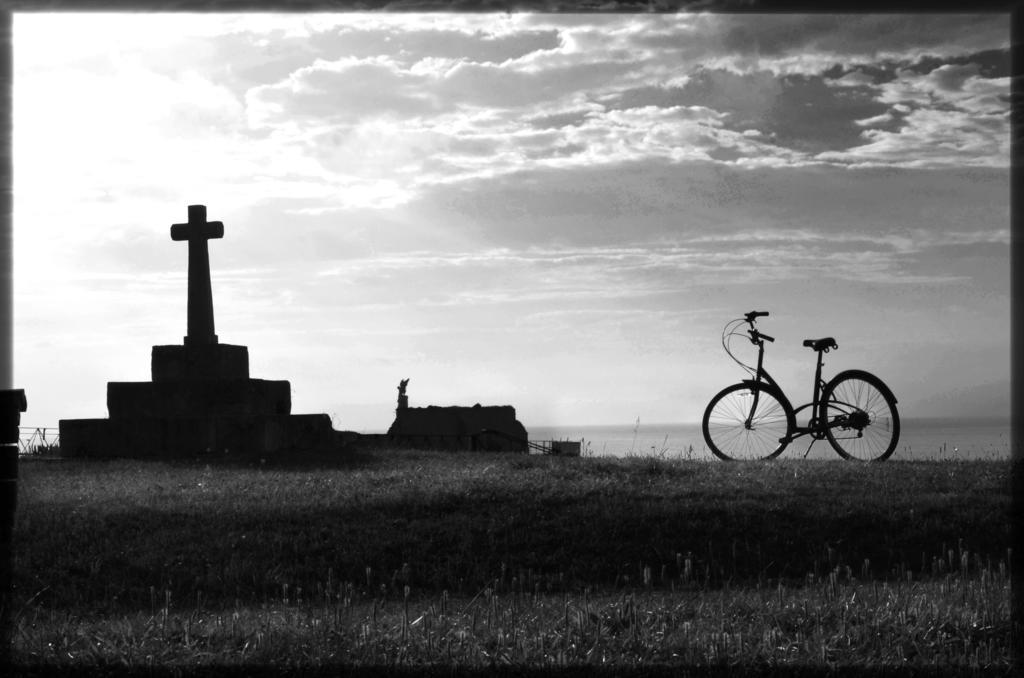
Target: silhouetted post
(12, 404)
(200, 296)
(1017, 329)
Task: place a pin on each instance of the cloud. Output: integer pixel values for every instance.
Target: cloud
(798, 113)
(951, 78)
(455, 118)
(744, 98)
(641, 202)
(855, 78)
(934, 138)
(298, 107)
(484, 42)
(781, 41)
(947, 86)
(539, 277)
(340, 92)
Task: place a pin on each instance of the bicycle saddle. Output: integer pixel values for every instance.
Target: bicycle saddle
(821, 344)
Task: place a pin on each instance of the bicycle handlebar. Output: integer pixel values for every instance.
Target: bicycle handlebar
(756, 336)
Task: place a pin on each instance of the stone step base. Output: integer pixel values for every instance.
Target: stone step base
(200, 362)
(170, 437)
(227, 397)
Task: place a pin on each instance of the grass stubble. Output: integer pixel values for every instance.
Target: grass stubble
(403, 558)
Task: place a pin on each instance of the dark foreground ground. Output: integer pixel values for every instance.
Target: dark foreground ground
(416, 559)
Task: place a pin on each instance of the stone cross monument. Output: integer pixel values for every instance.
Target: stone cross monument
(201, 399)
(200, 295)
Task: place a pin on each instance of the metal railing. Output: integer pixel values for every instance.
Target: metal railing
(541, 446)
(39, 440)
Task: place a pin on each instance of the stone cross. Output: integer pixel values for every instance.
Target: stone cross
(200, 296)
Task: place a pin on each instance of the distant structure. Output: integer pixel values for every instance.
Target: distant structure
(477, 428)
(201, 400)
(403, 400)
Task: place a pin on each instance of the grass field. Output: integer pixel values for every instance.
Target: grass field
(405, 558)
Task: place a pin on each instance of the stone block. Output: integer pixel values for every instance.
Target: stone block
(200, 362)
(228, 397)
(169, 437)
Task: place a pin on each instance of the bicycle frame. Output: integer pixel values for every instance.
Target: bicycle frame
(818, 422)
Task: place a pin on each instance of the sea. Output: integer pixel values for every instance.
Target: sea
(963, 439)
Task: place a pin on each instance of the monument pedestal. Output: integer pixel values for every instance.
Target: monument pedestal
(202, 361)
(224, 397)
(196, 414)
(167, 437)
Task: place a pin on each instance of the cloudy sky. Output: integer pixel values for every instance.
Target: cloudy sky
(556, 212)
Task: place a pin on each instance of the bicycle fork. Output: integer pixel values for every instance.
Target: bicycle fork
(749, 423)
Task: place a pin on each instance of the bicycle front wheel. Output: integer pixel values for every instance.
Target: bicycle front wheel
(746, 422)
(860, 411)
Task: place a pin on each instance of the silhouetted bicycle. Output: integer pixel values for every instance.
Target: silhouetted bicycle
(753, 419)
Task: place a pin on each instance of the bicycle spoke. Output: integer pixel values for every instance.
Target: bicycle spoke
(726, 429)
(863, 423)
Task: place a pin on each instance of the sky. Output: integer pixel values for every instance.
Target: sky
(556, 212)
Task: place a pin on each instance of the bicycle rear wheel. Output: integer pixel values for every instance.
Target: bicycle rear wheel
(863, 423)
(725, 423)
